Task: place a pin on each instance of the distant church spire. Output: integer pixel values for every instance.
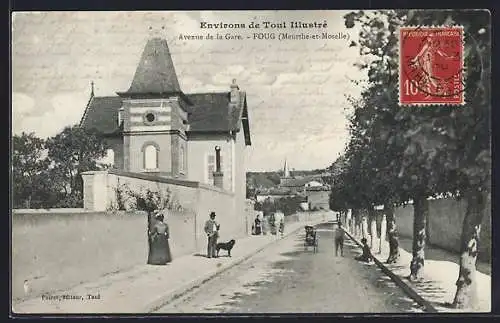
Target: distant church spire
(286, 171)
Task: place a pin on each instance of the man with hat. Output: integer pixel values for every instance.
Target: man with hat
(212, 231)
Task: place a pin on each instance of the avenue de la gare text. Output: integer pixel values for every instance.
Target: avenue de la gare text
(267, 36)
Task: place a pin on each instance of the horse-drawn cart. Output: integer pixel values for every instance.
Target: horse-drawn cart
(311, 239)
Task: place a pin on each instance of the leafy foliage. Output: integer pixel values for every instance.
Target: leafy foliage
(150, 200)
(47, 173)
(28, 169)
(288, 205)
(74, 151)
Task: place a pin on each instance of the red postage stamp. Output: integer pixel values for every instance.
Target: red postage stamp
(431, 61)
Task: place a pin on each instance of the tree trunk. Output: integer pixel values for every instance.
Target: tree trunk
(364, 223)
(420, 214)
(372, 218)
(466, 294)
(356, 222)
(392, 234)
(383, 233)
(150, 227)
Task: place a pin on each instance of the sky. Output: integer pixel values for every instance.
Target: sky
(296, 89)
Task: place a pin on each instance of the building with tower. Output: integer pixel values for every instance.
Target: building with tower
(156, 128)
(160, 138)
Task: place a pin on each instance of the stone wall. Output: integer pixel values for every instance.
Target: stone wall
(55, 251)
(318, 199)
(445, 225)
(196, 199)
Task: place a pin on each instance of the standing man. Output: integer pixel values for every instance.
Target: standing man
(339, 239)
(212, 231)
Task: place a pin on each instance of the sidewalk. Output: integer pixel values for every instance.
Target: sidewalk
(146, 288)
(439, 276)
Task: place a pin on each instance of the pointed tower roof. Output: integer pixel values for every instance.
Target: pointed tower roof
(286, 171)
(155, 73)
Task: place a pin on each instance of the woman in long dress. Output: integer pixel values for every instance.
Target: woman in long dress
(159, 251)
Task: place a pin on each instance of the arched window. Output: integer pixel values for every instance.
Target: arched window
(150, 157)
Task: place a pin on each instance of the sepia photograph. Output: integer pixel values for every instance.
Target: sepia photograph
(250, 162)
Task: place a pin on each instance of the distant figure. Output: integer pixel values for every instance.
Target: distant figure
(265, 224)
(257, 226)
(279, 220)
(272, 223)
(366, 256)
(212, 231)
(26, 287)
(160, 250)
(339, 240)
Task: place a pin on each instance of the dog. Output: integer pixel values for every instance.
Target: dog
(225, 246)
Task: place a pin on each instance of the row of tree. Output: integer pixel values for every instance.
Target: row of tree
(398, 154)
(46, 173)
(288, 205)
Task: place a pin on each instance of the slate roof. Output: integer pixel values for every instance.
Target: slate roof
(155, 72)
(275, 191)
(102, 114)
(296, 182)
(212, 112)
(317, 188)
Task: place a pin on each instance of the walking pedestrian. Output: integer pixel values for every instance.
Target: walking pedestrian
(159, 253)
(257, 225)
(212, 231)
(339, 239)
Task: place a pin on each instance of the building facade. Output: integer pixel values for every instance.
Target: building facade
(159, 136)
(156, 128)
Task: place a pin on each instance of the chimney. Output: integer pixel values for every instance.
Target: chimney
(235, 93)
(120, 116)
(218, 175)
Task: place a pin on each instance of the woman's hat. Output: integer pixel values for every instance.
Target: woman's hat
(212, 214)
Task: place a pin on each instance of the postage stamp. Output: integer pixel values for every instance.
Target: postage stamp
(431, 66)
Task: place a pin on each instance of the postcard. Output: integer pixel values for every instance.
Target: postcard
(251, 162)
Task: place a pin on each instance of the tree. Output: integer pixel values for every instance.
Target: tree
(447, 148)
(28, 166)
(72, 152)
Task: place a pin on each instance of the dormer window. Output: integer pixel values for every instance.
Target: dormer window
(120, 116)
